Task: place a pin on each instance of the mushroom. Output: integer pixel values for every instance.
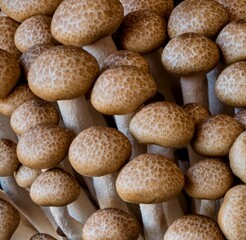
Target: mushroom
(42, 236)
(241, 117)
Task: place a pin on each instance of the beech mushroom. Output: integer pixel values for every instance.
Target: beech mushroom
(42, 236)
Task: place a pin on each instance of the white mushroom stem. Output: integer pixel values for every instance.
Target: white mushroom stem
(193, 156)
(6, 130)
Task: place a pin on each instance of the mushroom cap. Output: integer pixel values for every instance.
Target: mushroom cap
(237, 157)
(241, 117)
(110, 223)
(232, 213)
(20, 10)
(215, 135)
(162, 123)
(7, 33)
(198, 16)
(190, 54)
(80, 23)
(9, 72)
(98, 151)
(9, 219)
(141, 31)
(42, 236)
(31, 113)
(8, 158)
(125, 57)
(55, 187)
(149, 178)
(43, 146)
(231, 41)
(32, 31)
(194, 227)
(62, 72)
(208, 179)
(122, 90)
(230, 86)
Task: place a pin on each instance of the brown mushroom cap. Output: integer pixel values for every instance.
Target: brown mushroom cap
(232, 213)
(215, 135)
(110, 223)
(98, 151)
(241, 117)
(149, 178)
(203, 17)
(55, 187)
(42, 236)
(208, 179)
(194, 227)
(162, 123)
(122, 90)
(82, 23)
(62, 72)
(230, 86)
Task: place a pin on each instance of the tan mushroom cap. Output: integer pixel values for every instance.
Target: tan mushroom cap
(32, 113)
(230, 86)
(241, 117)
(215, 135)
(7, 33)
(98, 151)
(32, 31)
(203, 17)
(62, 72)
(190, 54)
(43, 146)
(8, 158)
(208, 179)
(237, 157)
(20, 10)
(194, 227)
(55, 187)
(110, 223)
(122, 90)
(42, 236)
(149, 178)
(141, 32)
(81, 23)
(232, 213)
(162, 123)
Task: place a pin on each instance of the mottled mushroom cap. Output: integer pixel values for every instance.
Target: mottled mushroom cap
(162, 123)
(110, 223)
(62, 72)
(194, 227)
(43, 146)
(215, 135)
(42, 236)
(241, 117)
(149, 178)
(81, 23)
(208, 179)
(199, 16)
(121, 90)
(190, 54)
(142, 32)
(232, 213)
(55, 187)
(230, 86)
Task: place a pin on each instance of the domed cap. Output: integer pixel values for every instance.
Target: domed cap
(215, 135)
(42, 236)
(99, 150)
(34, 30)
(232, 213)
(194, 227)
(43, 146)
(190, 54)
(122, 90)
(208, 179)
(55, 187)
(142, 32)
(230, 86)
(62, 72)
(241, 117)
(199, 16)
(32, 113)
(149, 178)
(237, 157)
(81, 23)
(110, 223)
(162, 123)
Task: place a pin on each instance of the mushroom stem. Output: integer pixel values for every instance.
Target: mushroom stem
(193, 156)
(207, 208)
(6, 130)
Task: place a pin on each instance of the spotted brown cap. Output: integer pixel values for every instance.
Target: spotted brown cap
(241, 117)
(42, 236)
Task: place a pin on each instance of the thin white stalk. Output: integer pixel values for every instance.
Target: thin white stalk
(193, 156)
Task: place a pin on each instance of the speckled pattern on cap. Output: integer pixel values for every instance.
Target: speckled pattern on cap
(241, 117)
(42, 236)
